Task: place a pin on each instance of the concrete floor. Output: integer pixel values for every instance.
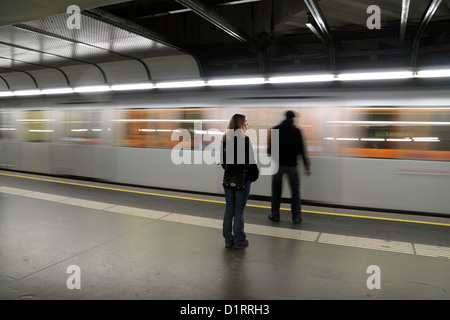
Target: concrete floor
(126, 245)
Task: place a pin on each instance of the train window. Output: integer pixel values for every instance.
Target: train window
(146, 128)
(36, 126)
(208, 125)
(7, 125)
(440, 132)
(257, 121)
(84, 127)
(308, 119)
(411, 133)
(415, 133)
(133, 128)
(155, 128)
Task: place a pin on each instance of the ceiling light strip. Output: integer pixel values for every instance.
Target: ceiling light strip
(441, 73)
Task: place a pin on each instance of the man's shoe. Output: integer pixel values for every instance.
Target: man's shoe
(296, 221)
(276, 219)
(228, 246)
(242, 246)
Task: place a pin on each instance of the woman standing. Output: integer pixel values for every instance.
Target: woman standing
(237, 159)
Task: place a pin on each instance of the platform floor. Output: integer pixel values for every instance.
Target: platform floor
(122, 242)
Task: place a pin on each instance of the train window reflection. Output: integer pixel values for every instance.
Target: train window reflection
(154, 128)
(36, 126)
(7, 125)
(390, 133)
(84, 127)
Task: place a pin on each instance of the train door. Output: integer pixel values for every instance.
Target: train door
(81, 132)
(8, 152)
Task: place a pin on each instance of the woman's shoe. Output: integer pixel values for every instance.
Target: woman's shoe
(242, 246)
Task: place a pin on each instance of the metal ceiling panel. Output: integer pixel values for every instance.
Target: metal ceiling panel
(49, 43)
(13, 11)
(31, 56)
(23, 38)
(99, 34)
(17, 65)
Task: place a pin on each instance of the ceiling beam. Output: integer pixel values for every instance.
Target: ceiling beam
(219, 21)
(56, 55)
(323, 28)
(60, 37)
(135, 28)
(404, 19)
(39, 65)
(426, 18)
(23, 71)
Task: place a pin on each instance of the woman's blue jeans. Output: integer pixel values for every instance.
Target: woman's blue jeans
(234, 212)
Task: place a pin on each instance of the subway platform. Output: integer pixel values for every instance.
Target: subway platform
(67, 239)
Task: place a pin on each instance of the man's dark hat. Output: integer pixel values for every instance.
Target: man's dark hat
(289, 114)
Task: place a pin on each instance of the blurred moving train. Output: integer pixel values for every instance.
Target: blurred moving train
(372, 147)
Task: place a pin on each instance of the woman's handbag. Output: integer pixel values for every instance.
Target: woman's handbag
(234, 180)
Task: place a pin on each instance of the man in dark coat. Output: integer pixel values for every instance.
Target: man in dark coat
(291, 145)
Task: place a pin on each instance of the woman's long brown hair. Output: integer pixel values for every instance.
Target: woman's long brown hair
(236, 122)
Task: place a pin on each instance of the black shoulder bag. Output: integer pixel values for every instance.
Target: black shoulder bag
(234, 180)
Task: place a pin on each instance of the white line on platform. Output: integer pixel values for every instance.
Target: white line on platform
(302, 235)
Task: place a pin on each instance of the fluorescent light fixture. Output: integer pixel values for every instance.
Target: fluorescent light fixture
(375, 75)
(399, 139)
(40, 130)
(208, 132)
(301, 79)
(433, 73)
(426, 139)
(157, 130)
(180, 84)
(235, 82)
(35, 120)
(347, 139)
(392, 123)
(171, 120)
(57, 91)
(239, 82)
(417, 139)
(132, 86)
(373, 139)
(92, 89)
(33, 92)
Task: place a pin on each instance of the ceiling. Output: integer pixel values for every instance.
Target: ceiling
(13, 11)
(227, 37)
(272, 36)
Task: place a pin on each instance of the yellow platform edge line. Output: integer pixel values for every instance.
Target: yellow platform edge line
(222, 202)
